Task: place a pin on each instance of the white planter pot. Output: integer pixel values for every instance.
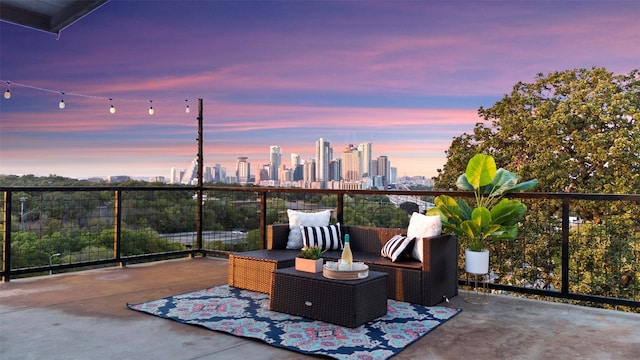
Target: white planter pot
(309, 265)
(476, 262)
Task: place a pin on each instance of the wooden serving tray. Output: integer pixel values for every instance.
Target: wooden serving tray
(330, 271)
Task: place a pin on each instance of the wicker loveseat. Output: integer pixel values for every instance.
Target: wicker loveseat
(426, 283)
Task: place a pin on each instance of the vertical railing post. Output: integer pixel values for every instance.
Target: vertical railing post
(340, 208)
(117, 227)
(565, 245)
(6, 244)
(263, 219)
(199, 245)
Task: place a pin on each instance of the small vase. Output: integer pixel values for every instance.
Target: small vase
(476, 262)
(309, 265)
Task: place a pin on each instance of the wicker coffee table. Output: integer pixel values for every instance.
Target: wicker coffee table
(349, 303)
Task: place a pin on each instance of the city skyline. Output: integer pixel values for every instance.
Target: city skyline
(365, 166)
(408, 76)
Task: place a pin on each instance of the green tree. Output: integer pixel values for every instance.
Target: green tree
(575, 131)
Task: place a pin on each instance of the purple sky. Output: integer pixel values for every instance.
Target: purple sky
(406, 75)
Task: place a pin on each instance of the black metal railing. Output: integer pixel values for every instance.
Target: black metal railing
(583, 247)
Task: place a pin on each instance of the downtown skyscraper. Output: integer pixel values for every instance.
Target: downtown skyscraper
(365, 159)
(351, 164)
(243, 170)
(324, 153)
(275, 159)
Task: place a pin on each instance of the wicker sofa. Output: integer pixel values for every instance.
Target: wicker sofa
(426, 283)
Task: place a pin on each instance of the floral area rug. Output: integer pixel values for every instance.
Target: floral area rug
(246, 313)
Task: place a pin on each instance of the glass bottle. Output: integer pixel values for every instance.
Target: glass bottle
(347, 257)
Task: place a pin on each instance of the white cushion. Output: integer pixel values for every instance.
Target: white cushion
(422, 226)
(325, 237)
(299, 218)
(397, 247)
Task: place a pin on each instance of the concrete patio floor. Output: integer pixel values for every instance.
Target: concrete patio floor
(83, 315)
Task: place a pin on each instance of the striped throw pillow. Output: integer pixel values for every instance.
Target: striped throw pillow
(397, 247)
(325, 237)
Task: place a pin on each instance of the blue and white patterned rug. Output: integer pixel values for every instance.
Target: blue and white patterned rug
(246, 313)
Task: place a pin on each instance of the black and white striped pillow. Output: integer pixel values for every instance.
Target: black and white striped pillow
(325, 237)
(397, 247)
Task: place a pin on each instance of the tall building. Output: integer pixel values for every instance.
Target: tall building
(324, 153)
(393, 175)
(218, 173)
(173, 178)
(264, 172)
(351, 164)
(190, 176)
(295, 160)
(365, 158)
(243, 170)
(309, 172)
(384, 169)
(284, 174)
(374, 168)
(335, 170)
(223, 174)
(298, 172)
(275, 159)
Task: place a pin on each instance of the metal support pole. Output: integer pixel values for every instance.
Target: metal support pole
(565, 246)
(199, 209)
(6, 244)
(263, 219)
(340, 208)
(117, 227)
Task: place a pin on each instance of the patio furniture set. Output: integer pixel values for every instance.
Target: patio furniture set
(349, 302)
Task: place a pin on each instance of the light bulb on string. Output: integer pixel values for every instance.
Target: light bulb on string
(187, 109)
(7, 94)
(151, 107)
(61, 105)
(112, 109)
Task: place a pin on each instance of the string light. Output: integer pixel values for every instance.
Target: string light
(61, 105)
(7, 94)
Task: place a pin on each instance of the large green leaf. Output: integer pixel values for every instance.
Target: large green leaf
(491, 230)
(456, 229)
(463, 184)
(507, 233)
(465, 209)
(480, 170)
(435, 211)
(448, 208)
(508, 212)
(527, 185)
(503, 182)
(481, 216)
(471, 229)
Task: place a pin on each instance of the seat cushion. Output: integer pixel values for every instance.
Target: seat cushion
(299, 218)
(324, 237)
(397, 247)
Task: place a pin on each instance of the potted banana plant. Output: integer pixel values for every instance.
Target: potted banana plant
(490, 216)
(310, 259)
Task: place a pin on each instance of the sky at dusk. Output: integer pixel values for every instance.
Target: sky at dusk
(407, 76)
